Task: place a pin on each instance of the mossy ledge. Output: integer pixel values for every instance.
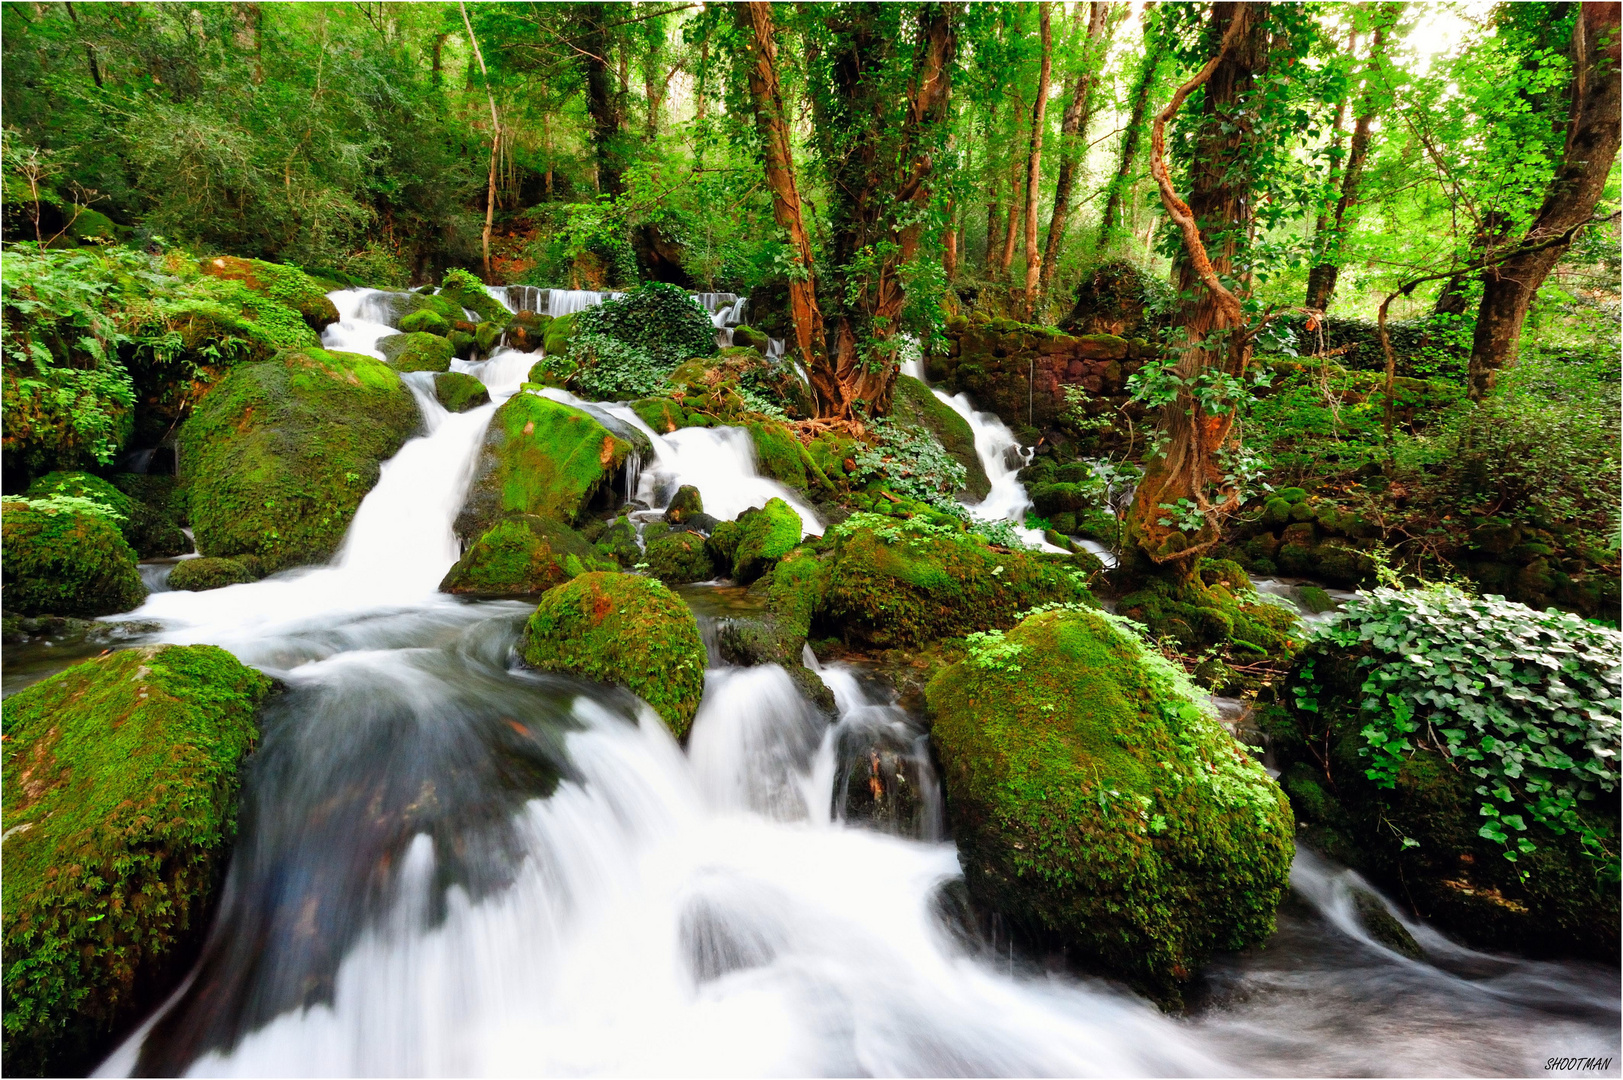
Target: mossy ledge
(121, 779)
(625, 629)
(1100, 806)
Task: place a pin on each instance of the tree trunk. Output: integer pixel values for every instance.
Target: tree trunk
(1111, 219)
(1178, 482)
(495, 137)
(1073, 131)
(1592, 144)
(602, 101)
(771, 122)
(1011, 225)
(949, 256)
(1034, 160)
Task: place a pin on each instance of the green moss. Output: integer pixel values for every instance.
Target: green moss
(1098, 804)
(1315, 599)
(152, 532)
(616, 540)
(777, 453)
(625, 629)
(765, 535)
(1220, 611)
(461, 287)
(904, 583)
(680, 557)
(540, 457)
(198, 575)
(686, 503)
(119, 809)
(914, 405)
(521, 556)
(487, 336)
(1276, 512)
(424, 322)
(416, 352)
(459, 392)
(64, 555)
(747, 337)
(279, 455)
(288, 286)
(557, 333)
(464, 346)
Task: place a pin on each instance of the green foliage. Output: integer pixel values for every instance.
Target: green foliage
(625, 629)
(608, 369)
(660, 319)
(910, 462)
(120, 805)
(64, 555)
(1525, 701)
(1098, 802)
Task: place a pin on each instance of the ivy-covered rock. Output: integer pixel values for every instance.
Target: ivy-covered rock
(659, 318)
(1100, 805)
(680, 557)
(279, 455)
(121, 778)
(200, 575)
(459, 392)
(416, 352)
(540, 457)
(625, 629)
(521, 556)
(903, 582)
(64, 555)
(914, 405)
(1463, 752)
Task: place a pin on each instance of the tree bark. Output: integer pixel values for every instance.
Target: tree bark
(1592, 143)
(771, 122)
(1011, 224)
(602, 99)
(1034, 159)
(1073, 131)
(949, 256)
(495, 137)
(1111, 219)
(1212, 223)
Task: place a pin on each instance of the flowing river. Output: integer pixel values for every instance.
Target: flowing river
(448, 864)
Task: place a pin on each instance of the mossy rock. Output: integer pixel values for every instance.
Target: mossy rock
(150, 531)
(1291, 495)
(487, 337)
(616, 540)
(464, 346)
(521, 556)
(416, 352)
(60, 559)
(1315, 599)
(162, 492)
(747, 337)
(794, 591)
(1276, 512)
(1099, 805)
(459, 392)
(279, 455)
(680, 557)
(765, 535)
(896, 584)
(544, 372)
(199, 575)
(625, 629)
(425, 322)
(465, 290)
(92, 226)
(402, 304)
(684, 504)
(1197, 615)
(121, 779)
(540, 457)
(778, 454)
(288, 285)
(556, 333)
(915, 405)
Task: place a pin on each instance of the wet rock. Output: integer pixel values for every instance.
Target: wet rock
(521, 556)
(687, 501)
(459, 392)
(416, 352)
(678, 558)
(1381, 925)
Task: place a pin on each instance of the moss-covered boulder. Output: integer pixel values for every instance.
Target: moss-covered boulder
(461, 287)
(65, 556)
(554, 334)
(121, 778)
(625, 629)
(425, 322)
(661, 414)
(200, 575)
(901, 583)
(280, 454)
(416, 352)
(540, 457)
(685, 504)
(615, 539)
(287, 284)
(1217, 608)
(402, 304)
(1099, 804)
(680, 557)
(915, 405)
(752, 545)
(521, 556)
(151, 531)
(778, 453)
(1461, 751)
(459, 392)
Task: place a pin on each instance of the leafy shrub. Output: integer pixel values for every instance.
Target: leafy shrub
(1526, 701)
(910, 462)
(659, 318)
(608, 369)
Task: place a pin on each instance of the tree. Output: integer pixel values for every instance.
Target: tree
(1034, 160)
(1592, 138)
(1110, 218)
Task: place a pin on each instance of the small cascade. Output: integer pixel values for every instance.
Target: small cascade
(752, 744)
(516, 298)
(874, 764)
(364, 317)
(1002, 457)
(561, 302)
(725, 309)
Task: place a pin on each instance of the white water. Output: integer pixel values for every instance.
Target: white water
(661, 913)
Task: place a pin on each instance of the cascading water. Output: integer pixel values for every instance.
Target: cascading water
(447, 864)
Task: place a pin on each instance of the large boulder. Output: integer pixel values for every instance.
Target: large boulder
(459, 392)
(900, 583)
(286, 284)
(521, 556)
(151, 531)
(279, 455)
(120, 796)
(624, 629)
(914, 405)
(1099, 804)
(416, 352)
(65, 556)
(754, 543)
(1462, 751)
(540, 457)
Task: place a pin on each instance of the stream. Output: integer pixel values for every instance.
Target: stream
(448, 864)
